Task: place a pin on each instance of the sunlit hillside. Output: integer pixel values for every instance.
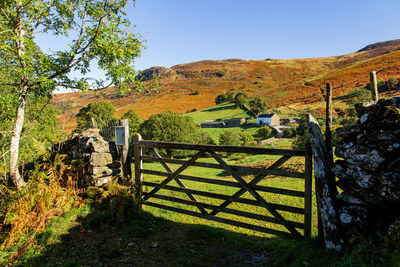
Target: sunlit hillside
(280, 82)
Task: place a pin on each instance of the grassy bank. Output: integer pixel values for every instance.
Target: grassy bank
(149, 240)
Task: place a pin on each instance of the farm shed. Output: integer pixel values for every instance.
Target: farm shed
(270, 119)
(235, 122)
(213, 124)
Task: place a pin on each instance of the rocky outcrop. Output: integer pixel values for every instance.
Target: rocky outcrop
(160, 72)
(98, 157)
(390, 45)
(369, 173)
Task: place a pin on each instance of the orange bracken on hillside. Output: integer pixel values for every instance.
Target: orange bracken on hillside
(280, 82)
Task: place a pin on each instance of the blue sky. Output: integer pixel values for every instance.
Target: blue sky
(181, 31)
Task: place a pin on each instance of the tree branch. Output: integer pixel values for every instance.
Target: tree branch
(38, 19)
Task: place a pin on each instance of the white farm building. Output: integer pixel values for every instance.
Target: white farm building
(270, 119)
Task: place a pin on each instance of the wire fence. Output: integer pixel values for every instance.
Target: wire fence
(106, 128)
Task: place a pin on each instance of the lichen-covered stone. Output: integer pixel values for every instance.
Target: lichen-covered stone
(357, 181)
(100, 146)
(100, 171)
(100, 159)
(102, 180)
(360, 155)
(389, 187)
(353, 215)
(348, 131)
(369, 175)
(350, 199)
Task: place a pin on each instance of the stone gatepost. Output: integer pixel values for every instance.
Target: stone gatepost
(99, 157)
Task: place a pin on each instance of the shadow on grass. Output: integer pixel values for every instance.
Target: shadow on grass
(147, 240)
(219, 108)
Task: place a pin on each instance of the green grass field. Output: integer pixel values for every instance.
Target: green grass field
(252, 130)
(295, 164)
(223, 112)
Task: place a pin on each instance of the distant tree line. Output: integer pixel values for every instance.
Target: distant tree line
(256, 105)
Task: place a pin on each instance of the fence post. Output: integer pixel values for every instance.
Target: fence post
(328, 130)
(138, 184)
(325, 189)
(125, 157)
(308, 192)
(374, 86)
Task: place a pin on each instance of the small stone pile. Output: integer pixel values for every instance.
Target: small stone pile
(99, 158)
(369, 175)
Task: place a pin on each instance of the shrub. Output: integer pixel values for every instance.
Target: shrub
(302, 137)
(228, 138)
(257, 106)
(288, 132)
(50, 191)
(392, 83)
(103, 112)
(221, 73)
(362, 94)
(246, 139)
(220, 99)
(230, 95)
(171, 126)
(241, 99)
(191, 110)
(264, 131)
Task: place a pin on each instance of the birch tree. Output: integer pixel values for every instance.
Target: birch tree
(95, 31)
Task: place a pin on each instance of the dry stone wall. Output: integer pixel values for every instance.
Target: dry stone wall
(369, 173)
(99, 157)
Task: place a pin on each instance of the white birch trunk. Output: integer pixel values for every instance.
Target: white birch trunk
(15, 176)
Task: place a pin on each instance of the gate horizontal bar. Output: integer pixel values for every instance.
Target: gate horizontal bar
(221, 220)
(232, 149)
(226, 197)
(239, 169)
(228, 210)
(261, 188)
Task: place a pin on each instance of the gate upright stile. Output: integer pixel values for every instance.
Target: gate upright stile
(210, 211)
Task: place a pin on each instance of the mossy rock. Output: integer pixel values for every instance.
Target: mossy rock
(94, 192)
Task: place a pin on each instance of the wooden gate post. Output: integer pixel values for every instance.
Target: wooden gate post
(325, 189)
(308, 192)
(138, 183)
(125, 157)
(374, 86)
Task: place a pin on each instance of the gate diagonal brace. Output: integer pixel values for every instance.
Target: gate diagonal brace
(257, 196)
(179, 182)
(174, 175)
(253, 182)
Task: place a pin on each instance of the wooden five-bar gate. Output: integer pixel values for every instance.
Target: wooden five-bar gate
(211, 211)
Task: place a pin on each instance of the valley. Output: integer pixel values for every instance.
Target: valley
(281, 82)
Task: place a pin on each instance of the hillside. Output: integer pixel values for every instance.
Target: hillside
(279, 81)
